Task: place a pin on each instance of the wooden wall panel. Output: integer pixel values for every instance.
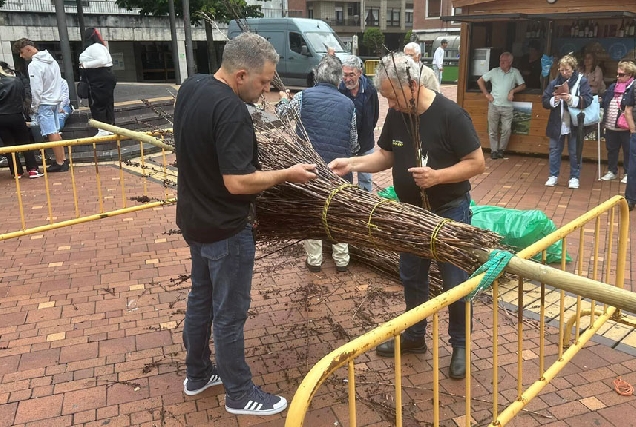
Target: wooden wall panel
(536, 142)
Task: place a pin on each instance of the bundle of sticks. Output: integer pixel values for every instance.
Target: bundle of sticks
(330, 208)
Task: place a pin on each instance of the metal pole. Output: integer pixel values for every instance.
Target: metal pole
(80, 20)
(175, 43)
(67, 59)
(188, 37)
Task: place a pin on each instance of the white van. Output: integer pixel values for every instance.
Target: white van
(300, 43)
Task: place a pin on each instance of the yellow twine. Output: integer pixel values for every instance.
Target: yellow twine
(438, 227)
(369, 224)
(325, 209)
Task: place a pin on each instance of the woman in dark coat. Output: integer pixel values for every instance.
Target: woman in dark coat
(96, 68)
(13, 129)
(568, 89)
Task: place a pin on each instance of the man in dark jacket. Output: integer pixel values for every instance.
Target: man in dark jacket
(328, 119)
(357, 87)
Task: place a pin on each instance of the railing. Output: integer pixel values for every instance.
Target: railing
(91, 7)
(56, 187)
(551, 288)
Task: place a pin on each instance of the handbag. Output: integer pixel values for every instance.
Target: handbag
(622, 121)
(83, 90)
(592, 112)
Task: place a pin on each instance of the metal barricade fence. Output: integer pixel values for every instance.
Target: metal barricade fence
(549, 287)
(26, 227)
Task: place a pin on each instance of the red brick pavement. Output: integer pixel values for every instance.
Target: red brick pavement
(91, 316)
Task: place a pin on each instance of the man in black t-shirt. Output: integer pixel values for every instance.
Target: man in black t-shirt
(219, 179)
(630, 115)
(451, 154)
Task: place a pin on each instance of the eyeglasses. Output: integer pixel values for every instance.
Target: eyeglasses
(620, 74)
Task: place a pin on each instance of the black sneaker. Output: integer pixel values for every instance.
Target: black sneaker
(56, 167)
(191, 391)
(500, 154)
(256, 402)
(387, 349)
(494, 155)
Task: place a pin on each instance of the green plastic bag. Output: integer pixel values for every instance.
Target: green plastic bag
(388, 193)
(519, 228)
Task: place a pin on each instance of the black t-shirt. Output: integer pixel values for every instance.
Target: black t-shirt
(447, 135)
(214, 135)
(630, 101)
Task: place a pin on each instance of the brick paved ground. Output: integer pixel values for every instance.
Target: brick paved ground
(91, 319)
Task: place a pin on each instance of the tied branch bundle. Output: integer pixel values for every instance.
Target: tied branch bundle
(329, 208)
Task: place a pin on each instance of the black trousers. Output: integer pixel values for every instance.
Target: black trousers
(14, 131)
(101, 100)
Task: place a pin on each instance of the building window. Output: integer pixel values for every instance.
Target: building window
(310, 13)
(372, 17)
(433, 8)
(408, 17)
(339, 16)
(393, 17)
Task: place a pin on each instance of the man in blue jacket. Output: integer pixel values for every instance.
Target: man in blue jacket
(329, 121)
(357, 87)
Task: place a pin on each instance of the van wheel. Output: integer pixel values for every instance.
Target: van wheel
(310, 80)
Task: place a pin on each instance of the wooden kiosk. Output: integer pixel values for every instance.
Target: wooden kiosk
(556, 27)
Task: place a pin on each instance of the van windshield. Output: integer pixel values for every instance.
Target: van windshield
(320, 41)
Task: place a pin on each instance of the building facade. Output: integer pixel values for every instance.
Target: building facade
(141, 46)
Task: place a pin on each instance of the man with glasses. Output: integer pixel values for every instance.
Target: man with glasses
(357, 87)
(427, 76)
(505, 81)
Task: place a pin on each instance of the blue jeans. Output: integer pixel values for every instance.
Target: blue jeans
(219, 301)
(630, 190)
(414, 275)
(615, 140)
(556, 148)
(364, 179)
(48, 120)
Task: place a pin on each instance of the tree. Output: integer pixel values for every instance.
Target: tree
(220, 10)
(373, 38)
(407, 38)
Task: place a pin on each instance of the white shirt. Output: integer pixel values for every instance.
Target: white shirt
(96, 56)
(438, 57)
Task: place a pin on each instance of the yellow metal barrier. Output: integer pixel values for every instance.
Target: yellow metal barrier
(369, 67)
(118, 133)
(346, 354)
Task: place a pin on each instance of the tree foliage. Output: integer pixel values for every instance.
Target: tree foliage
(1, 3)
(373, 38)
(407, 38)
(220, 10)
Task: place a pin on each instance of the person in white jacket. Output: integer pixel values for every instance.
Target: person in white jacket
(96, 69)
(46, 94)
(438, 61)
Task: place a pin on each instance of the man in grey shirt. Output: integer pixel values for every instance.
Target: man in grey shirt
(505, 81)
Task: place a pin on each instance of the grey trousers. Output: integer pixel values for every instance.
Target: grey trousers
(497, 115)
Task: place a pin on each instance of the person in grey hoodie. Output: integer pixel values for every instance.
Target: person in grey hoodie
(46, 94)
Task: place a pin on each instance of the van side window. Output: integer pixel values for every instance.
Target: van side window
(296, 42)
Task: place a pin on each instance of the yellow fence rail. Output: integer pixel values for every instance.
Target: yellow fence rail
(77, 183)
(569, 304)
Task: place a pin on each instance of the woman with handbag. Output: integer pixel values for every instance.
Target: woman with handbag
(568, 89)
(97, 63)
(615, 123)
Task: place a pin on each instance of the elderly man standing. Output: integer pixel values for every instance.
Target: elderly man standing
(219, 178)
(427, 76)
(361, 91)
(454, 155)
(329, 118)
(506, 81)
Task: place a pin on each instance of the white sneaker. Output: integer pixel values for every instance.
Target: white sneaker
(624, 180)
(552, 181)
(103, 132)
(573, 183)
(609, 176)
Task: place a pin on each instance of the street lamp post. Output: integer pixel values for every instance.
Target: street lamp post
(67, 59)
